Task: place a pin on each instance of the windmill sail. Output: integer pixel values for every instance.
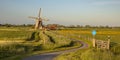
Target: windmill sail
(39, 13)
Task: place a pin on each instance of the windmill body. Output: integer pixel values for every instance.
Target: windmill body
(38, 23)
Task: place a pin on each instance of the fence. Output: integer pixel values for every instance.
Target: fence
(101, 44)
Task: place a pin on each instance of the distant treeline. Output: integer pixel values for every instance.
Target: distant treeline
(13, 25)
(59, 26)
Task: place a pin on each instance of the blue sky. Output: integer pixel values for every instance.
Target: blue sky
(66, 12)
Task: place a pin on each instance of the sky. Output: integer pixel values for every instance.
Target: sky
(65, 12)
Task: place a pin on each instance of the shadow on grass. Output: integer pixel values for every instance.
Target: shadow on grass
(51, 39)
(32, 37)
(72, 43)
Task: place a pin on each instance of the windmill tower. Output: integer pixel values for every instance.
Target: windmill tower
(38, 23)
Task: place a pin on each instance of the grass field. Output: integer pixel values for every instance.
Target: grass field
(16, 41)
(14, 33)
(22, 41)
(91, 53)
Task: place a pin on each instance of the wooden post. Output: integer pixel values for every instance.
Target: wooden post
(94, 33)
(108, 45)
(93, 42)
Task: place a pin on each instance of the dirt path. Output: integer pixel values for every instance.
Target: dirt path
(52, 55)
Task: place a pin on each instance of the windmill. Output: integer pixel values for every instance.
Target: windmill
(38, 23)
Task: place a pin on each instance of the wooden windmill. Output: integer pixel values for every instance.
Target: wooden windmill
(38, 23)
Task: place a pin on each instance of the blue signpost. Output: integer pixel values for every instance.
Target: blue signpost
(94, 33)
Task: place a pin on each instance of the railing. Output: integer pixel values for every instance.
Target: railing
(101, 44)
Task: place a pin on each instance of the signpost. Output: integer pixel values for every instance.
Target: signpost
(94, 33)
(100, 43)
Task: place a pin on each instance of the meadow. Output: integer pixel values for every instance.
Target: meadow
(92, 53)
(16, 43)
(19, 42)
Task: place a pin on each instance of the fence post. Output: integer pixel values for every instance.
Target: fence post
(93, 42)
(108, 45)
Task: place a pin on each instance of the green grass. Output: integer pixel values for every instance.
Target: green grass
(60, 41)
(89, 54)
(35, 42)
(14, 35)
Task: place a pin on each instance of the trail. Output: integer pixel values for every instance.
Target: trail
(52, 55)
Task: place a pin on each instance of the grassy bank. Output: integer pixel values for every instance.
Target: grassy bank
(35, 42)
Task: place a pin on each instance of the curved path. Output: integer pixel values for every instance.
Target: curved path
(52, 55)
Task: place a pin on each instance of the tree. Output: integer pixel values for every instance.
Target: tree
(87, 26)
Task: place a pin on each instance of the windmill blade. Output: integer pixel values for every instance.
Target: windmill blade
(33, 17)
(39, 13)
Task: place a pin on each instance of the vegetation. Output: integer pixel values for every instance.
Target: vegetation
(19, 41)
(15, 41)
(90, 53)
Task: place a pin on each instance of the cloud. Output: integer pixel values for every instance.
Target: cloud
(107, 3)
